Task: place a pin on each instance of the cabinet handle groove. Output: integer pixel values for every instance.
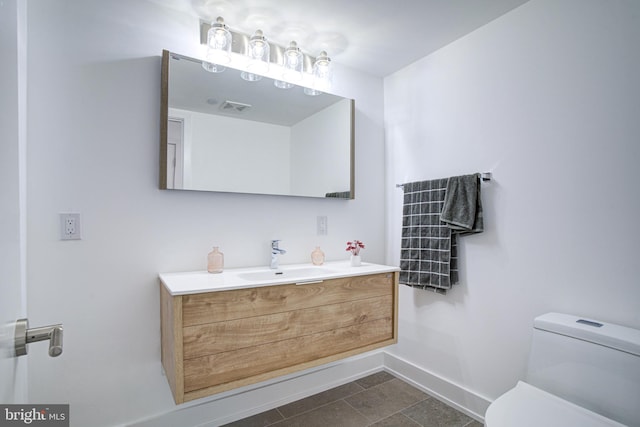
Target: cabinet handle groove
(309, 283)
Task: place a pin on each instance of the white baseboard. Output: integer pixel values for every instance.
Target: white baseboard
(244, 402)
(442, 389)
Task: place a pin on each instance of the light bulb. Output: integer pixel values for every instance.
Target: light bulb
(259, 56)
(322, 75)
(257, 50)
(322, 71)
(292, 62)
(220, 39)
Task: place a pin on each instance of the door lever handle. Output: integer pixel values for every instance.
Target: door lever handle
(24, 336)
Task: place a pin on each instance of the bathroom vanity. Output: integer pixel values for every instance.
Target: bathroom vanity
(243, 326)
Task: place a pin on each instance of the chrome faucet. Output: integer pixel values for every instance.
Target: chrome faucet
(275, 251)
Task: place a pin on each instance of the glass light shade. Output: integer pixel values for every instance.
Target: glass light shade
(282, 85)
(311, 91)
(250, 77)
(322, 75)
(219, 43)
(259, 53)
(323, 71)
(213, 68)
(292, 62)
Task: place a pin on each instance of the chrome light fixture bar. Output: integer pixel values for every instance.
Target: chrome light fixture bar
(260, 54)
(240, 45)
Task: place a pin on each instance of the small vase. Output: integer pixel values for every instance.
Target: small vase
(317, 256)
(215, 261)
(356, 261)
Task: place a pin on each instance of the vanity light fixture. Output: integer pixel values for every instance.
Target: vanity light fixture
(254, 55)
(218, 46)
(322, 75)
(259, 53)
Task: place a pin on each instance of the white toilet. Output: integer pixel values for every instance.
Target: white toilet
(581, 373)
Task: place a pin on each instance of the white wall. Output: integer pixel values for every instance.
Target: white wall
(93, 148)
(547, 98)
(215, 145)
(320, 154)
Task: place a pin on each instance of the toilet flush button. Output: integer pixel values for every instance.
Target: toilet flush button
(589, 323)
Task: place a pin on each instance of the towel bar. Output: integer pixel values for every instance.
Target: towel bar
(484, 176)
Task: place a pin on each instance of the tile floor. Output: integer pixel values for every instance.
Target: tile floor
(378, 400)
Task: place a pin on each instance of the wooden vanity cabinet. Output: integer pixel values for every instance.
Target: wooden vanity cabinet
(216, 341)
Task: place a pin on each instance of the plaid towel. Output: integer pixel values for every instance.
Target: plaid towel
(428, 257)
(434, 214)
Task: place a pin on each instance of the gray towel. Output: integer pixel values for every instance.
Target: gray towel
(428, 257)
(462, 209)
(434, 213)
(339, 195)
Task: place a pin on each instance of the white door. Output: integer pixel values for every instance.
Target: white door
(175, 152)
(12, 140)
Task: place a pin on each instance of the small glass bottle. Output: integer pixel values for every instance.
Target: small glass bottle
(317, 256)
(215, 261)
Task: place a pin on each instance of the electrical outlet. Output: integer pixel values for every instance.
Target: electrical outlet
(323, 226)
(70, 226)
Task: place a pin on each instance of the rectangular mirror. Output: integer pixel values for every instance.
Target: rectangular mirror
(222, 133)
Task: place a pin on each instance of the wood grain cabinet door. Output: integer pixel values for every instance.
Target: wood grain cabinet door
(239, 337)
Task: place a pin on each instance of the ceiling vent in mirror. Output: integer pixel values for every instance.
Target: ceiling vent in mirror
(234, 107)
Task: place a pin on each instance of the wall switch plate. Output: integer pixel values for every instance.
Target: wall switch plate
(70, 226)
(323, 226)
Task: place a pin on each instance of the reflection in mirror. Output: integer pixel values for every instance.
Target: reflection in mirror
(222, 133)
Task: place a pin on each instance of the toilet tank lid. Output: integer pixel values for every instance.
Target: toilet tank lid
(607, 334)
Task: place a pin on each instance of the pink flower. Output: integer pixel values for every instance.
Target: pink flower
(355, 246)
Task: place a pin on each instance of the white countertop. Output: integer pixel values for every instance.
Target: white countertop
(241, 278)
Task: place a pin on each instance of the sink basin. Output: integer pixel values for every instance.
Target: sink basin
(309, 273)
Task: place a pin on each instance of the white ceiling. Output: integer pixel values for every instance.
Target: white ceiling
(191, 88)
(375, 36)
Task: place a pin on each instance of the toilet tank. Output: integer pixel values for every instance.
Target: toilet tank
(593, 364)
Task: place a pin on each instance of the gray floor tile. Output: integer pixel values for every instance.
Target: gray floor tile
(259, 420)
(433, 413)
(375, 379)
(378, 400)
(335, 414)
(383, 400)
(396, 420)
(312, 402)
